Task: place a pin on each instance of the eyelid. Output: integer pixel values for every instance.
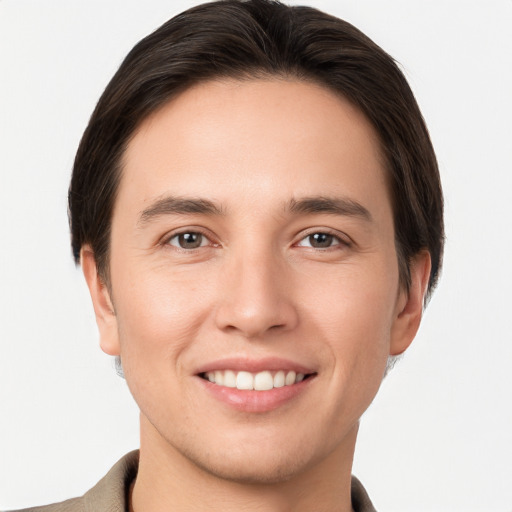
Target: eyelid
(342, 238)
(188, 229)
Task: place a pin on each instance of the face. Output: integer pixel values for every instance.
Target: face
(254, 294)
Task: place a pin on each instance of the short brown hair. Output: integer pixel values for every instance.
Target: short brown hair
(252, 39)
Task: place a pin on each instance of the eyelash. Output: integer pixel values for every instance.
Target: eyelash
(340, 241)
(195, 231)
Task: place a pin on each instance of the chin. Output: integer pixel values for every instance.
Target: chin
(246, 469)
(270, 457)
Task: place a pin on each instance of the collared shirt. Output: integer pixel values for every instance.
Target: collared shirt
(110, 494)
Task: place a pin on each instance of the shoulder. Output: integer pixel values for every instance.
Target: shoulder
(360, 500)
(72, 505)
(109, 494)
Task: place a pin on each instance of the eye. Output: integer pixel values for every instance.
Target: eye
(188, 240)
(320, 240)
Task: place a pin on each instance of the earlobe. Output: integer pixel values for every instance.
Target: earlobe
(410, 305)
(102, 303)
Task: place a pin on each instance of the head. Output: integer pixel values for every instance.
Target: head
(251, 40)
(234, 117)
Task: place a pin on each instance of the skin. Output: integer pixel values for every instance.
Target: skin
(258, 286)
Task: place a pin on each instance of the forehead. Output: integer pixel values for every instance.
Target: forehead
(276, 139)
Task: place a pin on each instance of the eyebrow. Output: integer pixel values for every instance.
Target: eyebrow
(330, 205)
(172, 205)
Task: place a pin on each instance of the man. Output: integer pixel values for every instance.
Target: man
(257, 210)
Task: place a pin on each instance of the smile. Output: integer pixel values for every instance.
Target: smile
(260, 381)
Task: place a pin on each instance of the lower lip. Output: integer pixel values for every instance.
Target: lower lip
(256, 401)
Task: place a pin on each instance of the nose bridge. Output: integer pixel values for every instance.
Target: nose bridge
(254, 297)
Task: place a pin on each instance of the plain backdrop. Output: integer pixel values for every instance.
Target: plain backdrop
(438, 436)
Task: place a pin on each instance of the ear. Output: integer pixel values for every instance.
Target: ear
(102, 303)
(410, 305)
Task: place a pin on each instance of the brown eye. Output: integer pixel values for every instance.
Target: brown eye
(319, 241)
(190, 240)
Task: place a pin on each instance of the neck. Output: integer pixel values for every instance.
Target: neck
(168, 480)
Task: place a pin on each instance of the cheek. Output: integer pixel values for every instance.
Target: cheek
(355, 314)
(355, 299)
(159, 314)
(158, 320)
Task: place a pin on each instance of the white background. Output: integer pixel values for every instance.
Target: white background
(439, 435)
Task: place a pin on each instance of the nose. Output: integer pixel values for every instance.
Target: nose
(255, 297)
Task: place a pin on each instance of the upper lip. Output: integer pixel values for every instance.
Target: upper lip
(254, 365)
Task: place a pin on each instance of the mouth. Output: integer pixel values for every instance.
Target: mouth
(261, 381)
(256, 385)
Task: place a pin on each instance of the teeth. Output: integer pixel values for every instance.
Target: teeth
(290, 378)
(219, 378)
(279, 379)
(244, 380)
(230, 379)
(261, 381)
